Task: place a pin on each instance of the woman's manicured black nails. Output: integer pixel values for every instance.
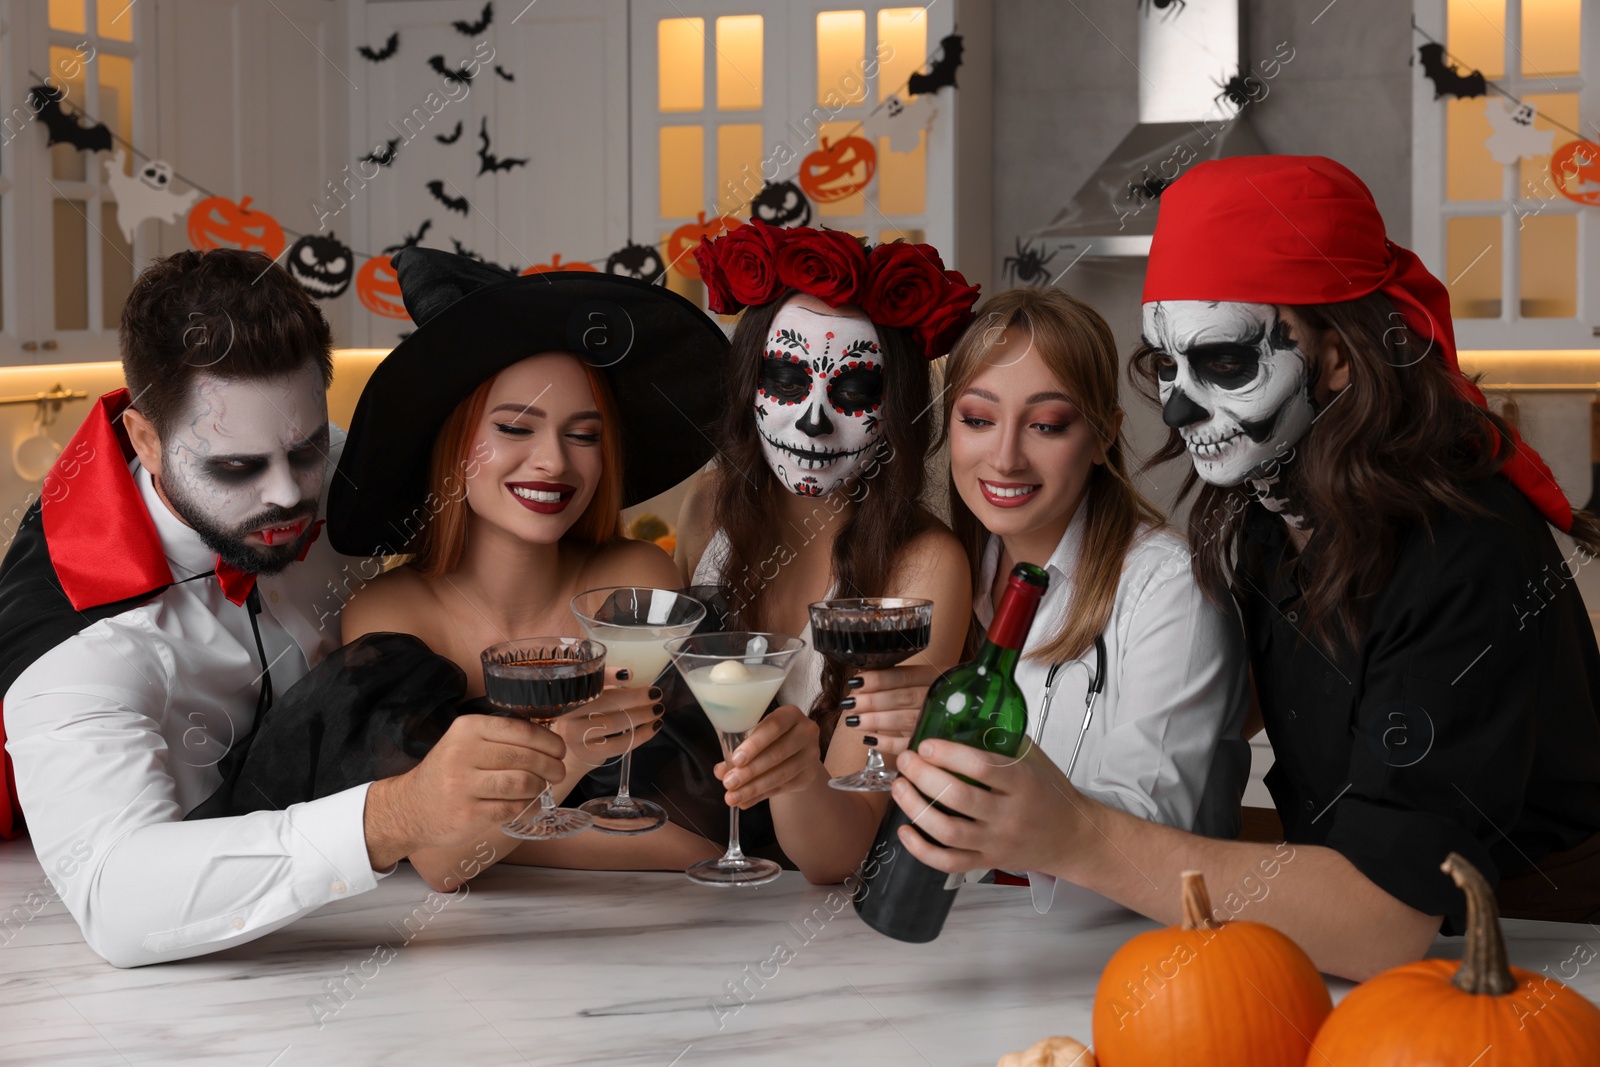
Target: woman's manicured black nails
(655, 693)
(869, 740)
(623, 674)
(847, 704)
(658, 709)
(655, 726)
(852, 720)
(855, 683)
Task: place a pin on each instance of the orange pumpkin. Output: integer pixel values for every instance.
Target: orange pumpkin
(1577, 162)
(1483, 1012)
(217, 222)
(841, 169)
(686, 238)
(378, 289)
(556, 264)
(1208, 994)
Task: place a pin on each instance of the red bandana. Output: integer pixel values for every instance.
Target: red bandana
(1305, 230)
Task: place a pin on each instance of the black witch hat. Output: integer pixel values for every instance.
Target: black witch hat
(663, 358)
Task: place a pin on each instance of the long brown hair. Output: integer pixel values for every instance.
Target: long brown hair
(1077, 346)
(1395, 454)
(888, 511)
(443, 538)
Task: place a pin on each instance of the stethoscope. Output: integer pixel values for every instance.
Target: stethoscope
(1097, 682)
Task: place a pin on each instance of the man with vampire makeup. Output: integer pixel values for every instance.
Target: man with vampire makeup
(166, 586)
(1422, 661)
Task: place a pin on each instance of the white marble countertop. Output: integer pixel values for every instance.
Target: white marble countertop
(564, 967)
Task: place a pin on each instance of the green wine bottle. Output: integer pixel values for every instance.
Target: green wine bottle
(977, 704)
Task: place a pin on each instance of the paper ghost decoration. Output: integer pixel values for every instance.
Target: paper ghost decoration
(323, 265)
(902, 122)
(146, 194)
(1514, 136)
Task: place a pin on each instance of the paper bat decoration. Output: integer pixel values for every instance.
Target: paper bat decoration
(902, 122)
(472, 29)
(1514, 136)
(1447, 80)
(488, 161)
(451, 138)
(504, 73)
(45, 101)
(460, 76)
(146, 194)
(463, 250)
(410, 239)
(383, 155)
(454, 203)
(390, 47)
(943, 71)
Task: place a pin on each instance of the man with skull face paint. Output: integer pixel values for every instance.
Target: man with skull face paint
(816, 494)
(1382, 532)
(168, 585)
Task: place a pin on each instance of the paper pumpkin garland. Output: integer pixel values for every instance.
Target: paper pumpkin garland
(556, 264)
(323, 265)
(145, 195)
(838, 170)
(781, 204)
(1514, 136)
(217, 222)
(1576, 170)
(378, 289)
(636, 261)
(686, 238)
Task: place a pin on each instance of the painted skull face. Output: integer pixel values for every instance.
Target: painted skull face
(1233, 383)
(156, 175)
(818, 401)
(244, 464)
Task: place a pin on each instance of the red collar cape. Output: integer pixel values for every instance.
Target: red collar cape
(86, 550)
(1305, 230)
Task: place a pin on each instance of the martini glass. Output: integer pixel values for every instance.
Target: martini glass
(871, 634)
(542, 679)
(734, 677)
(635, 623)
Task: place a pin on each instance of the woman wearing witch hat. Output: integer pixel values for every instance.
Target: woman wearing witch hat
(1384, 534)
(496, 446)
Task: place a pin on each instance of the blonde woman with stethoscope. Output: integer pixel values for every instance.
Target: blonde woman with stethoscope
(1137, 686)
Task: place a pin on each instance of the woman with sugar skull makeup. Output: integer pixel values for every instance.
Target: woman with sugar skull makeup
(1422, 661)
(816, 493)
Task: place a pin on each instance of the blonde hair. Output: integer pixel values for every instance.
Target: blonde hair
(1077, 346)
(442, 540)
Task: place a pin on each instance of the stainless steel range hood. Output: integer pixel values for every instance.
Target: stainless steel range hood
(1186, 52)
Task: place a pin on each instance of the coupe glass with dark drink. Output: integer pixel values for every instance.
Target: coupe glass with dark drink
(542, 679)
(635, 623)
(871, 634)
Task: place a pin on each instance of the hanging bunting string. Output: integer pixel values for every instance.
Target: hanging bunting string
(1458, 61)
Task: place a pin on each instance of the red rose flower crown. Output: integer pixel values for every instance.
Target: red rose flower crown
(897, 284)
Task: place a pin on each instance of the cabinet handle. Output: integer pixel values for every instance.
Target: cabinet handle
(30, 346)
(49, 346)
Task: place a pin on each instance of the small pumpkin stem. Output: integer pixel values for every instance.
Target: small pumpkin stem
(1484, 968)
(1197, 903)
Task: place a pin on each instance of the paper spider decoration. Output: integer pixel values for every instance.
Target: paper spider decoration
(1028, 265)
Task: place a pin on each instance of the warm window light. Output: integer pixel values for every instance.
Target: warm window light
(681, 64)
(739, 67)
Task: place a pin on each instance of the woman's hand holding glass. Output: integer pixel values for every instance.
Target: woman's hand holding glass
(617, 721)
(781, 755)
(888, 704)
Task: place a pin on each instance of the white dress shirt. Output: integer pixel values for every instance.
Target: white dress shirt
(115, 735)
(1166, 739)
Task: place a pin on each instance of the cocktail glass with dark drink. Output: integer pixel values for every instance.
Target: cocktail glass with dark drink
(871, 634)
(541, 679)
(635, 623)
